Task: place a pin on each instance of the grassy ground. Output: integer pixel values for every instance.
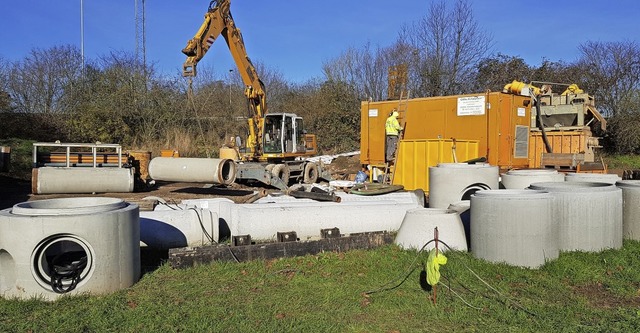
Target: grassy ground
(626, 162)
(579, 292)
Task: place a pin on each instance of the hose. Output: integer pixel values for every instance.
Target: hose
(547, 146)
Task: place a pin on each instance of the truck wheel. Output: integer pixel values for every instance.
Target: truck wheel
(310, 173)
(282, 171)
(269, 167)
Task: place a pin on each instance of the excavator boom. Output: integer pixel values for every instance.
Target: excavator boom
(219, 21)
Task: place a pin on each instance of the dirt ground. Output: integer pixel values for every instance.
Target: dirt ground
(14, 190)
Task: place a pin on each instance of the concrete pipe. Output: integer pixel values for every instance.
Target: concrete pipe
(452, 182)
(528, 240)
(589, 214)
(51, 180)
(522, 178)
(68, 246)
(630, 208)
(166, 229)
(608, 178)
(418, 228)
(193, 170)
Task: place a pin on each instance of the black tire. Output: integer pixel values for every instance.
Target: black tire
(281, 171)
(310, 173)
(269, 167)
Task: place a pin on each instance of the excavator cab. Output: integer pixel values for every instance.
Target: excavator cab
(283, 134)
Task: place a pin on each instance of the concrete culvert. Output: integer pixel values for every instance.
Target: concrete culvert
(418, 227)
(520, 179)
(608, 178)
(589, 214)
(452, 182)
(194, 170)
(630, 208)
(68, 246)
(514, 226)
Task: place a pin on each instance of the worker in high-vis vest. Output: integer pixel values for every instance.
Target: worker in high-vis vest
(392, 128)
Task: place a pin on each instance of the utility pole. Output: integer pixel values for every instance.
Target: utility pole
(82, 34)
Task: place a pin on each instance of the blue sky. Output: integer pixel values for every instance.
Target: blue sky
(295, 37)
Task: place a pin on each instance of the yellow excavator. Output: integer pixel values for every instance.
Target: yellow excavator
(277, 142)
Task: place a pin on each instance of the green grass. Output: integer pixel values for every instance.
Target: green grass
(622, 161)
(579, 292)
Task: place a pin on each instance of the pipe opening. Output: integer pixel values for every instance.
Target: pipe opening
(61, 263)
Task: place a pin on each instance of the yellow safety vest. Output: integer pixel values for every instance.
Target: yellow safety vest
(392, 126)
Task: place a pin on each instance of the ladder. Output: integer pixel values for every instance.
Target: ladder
(389, 168)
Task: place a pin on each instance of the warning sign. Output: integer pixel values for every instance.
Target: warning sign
(471, 105)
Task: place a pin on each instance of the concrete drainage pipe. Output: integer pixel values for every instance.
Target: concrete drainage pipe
(194, 170)
(630, 208)
(589, 214)
(68, 246)
(522, 178)
(528, 240)
(418, 228)
(452, 182)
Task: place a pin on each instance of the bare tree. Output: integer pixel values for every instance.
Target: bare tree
(37, 83)
(611, 71)
(365, 69)
(448, 46)
(5, 98)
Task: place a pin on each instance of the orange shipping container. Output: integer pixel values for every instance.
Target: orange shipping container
(498, 121)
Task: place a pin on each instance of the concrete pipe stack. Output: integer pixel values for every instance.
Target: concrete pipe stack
(53, 247)
(521, 179)
(630, 208)
(497, 235)
(589, 215)
(418, 228)
(608, 178)
(452, 182)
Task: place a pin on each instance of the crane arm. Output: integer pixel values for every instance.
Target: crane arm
(219, 21)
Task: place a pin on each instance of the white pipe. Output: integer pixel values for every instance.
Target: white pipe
(194, 170)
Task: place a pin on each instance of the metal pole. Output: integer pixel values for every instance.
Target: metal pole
(82, 33)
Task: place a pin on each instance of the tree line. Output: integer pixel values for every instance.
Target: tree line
(51, 95)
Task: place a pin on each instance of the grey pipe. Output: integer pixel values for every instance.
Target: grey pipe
(193, 170)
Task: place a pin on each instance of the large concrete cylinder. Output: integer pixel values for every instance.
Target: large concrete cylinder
(608, 178)
(307, 218)
(167, 229)
(418, 228)
(514, 226)
(51, 180)
(589, 214)
(630, 208)
(193, 170)
(522, 178)
(97, 239)
(452, 182)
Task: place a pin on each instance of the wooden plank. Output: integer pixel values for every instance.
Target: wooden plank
(561, 159)
(191, 256)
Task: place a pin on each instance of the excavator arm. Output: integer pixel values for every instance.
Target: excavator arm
(218, 21)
